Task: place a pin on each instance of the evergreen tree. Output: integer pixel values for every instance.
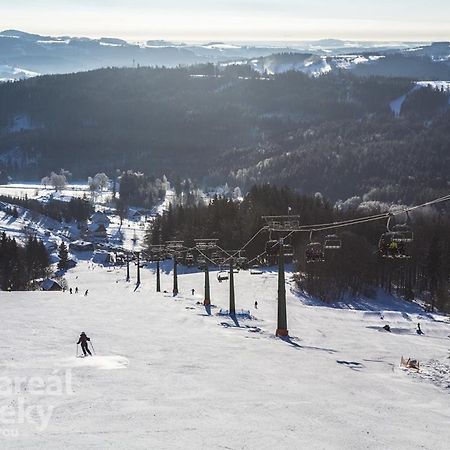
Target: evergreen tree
(63, 255)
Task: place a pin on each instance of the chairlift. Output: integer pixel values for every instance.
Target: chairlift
(393, 243)
(189, 259)
(241, 262)
(201, 263)
(222, 276)
(314, 251)
(272, 247)
(288, 250)
(256, 270)
(276, 224)
(390, 248)
(402, 233)
(332, 242)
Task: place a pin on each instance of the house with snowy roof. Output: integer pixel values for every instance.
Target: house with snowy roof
(50, 285)
(97, 231)
(100, 217)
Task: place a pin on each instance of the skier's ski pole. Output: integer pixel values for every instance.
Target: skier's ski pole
(93, 349)
(77, 350)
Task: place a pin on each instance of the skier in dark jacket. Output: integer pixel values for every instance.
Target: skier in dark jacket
(84, 343)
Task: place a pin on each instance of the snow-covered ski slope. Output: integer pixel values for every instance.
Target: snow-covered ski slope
(168, 375)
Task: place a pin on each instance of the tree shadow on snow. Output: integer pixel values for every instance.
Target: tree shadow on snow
(235, 323)
(382, 301)
(292, 341)
(354, 365)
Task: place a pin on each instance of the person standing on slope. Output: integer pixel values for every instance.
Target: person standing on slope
(84, 343)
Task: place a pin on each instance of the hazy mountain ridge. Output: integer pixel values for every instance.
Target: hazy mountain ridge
(30, 54)
(417, 64)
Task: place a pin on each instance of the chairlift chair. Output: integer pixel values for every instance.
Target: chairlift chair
(222, 276)
(314, 252)
(241, 262)
(293, 223)
(402, 233)
(391, 248)
(276, 224)
(201, 263)
(332, 242)
(256, 270)
(288, 250)
(393, 243)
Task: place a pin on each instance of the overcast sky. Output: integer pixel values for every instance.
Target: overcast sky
(239, 20)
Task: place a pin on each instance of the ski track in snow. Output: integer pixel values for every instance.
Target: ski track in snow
(99, 362)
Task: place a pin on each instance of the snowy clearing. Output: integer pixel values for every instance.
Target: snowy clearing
(40, 192)
(129, 235)
(396, 105)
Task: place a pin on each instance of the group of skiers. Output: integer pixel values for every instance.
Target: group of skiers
(418, 330)
(76, 291)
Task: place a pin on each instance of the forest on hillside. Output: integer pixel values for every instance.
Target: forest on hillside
(20, 264)
(334, 134)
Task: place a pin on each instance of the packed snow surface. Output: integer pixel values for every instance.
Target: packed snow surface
(170, 374)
